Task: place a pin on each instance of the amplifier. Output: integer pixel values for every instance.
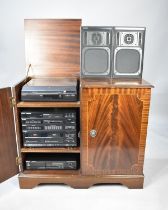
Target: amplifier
(49, 127)
(49, 139)
(57, 127)
(51, 161)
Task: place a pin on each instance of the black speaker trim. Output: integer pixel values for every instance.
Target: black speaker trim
(138, 46)
(114, 44)
(107, 34)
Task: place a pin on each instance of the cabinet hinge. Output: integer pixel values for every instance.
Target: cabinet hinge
(12, 102)
(18, 161)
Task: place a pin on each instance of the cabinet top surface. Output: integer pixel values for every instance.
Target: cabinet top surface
(117, 83)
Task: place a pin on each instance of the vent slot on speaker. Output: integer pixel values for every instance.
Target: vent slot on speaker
(85, 38)
(140, 39)
(117, 38)
(108, 38)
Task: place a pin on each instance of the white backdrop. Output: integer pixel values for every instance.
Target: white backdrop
(150, 13)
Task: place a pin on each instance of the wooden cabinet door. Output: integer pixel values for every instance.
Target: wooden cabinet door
(8, 150)
(114, 124)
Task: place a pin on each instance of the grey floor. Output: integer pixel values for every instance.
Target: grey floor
(154, 196)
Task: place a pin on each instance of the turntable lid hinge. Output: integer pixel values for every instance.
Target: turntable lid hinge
(18, 161)
(12, 102)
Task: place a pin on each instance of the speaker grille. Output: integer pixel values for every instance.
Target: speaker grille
(127, 61)
(96, 61)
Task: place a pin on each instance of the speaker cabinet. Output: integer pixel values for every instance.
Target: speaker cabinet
(128, 52)
(96, 45)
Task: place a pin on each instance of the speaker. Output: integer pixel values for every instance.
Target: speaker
(128, 52)
(96, 44)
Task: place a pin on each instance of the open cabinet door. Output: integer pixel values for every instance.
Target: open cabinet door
(8, 149)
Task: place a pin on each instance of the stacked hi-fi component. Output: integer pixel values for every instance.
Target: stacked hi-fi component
(49, 127)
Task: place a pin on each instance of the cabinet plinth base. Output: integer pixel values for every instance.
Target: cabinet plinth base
(29, 181)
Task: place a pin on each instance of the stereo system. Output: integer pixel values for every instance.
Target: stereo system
(50, 89)
(105, 52)
(112, 51)
(51, 161)
(49, 127)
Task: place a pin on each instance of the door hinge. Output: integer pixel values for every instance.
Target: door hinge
(18, 161)
(12, 102)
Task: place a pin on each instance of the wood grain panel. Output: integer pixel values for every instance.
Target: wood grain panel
(120, 118)
(51, 150)
(48, 104)
(53, 47)
(50, 173)
(128, 122)
(114, 83)
(28, 180)
(8, 150)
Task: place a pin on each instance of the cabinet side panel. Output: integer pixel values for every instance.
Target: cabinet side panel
(8, 149)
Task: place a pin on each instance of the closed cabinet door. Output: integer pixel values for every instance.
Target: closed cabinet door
(114, 123)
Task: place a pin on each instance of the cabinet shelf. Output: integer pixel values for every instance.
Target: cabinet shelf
(23, 104)
(51, 172)
(51, 150)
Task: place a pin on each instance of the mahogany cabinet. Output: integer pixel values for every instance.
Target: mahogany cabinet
(113, 127)
(113, 115)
